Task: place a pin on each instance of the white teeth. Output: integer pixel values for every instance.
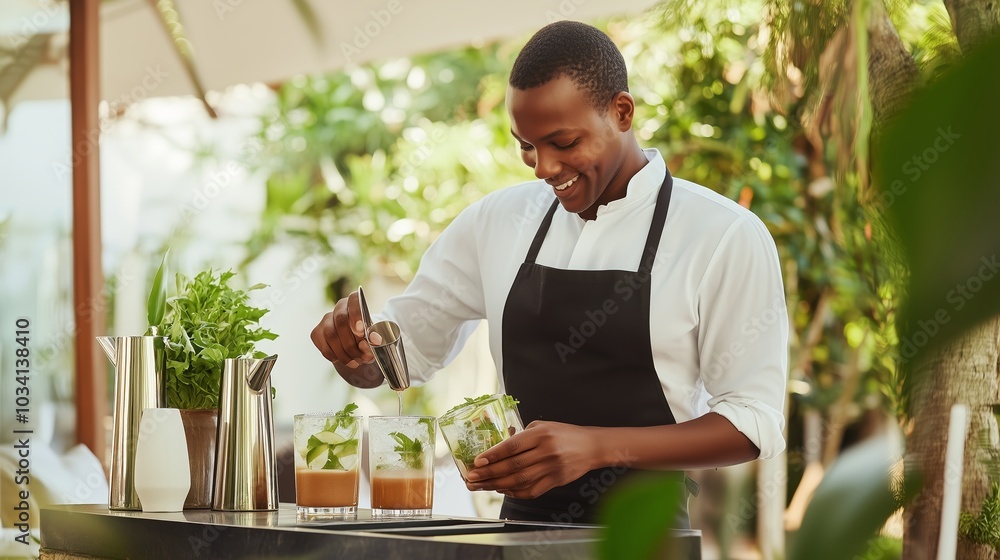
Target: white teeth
(567, 184)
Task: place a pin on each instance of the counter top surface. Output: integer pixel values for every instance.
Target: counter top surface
(96, 531)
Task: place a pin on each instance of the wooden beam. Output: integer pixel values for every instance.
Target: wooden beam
(88, 279)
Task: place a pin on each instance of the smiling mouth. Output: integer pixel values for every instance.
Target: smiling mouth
(566, 185)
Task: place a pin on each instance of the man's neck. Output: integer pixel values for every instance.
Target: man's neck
(634, 161)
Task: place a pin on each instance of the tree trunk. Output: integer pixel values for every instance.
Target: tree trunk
(892, 73)
(973, 21)
(966, 370)
(962, 371)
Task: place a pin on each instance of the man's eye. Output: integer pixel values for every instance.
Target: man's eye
(526, 148)
(568, 146)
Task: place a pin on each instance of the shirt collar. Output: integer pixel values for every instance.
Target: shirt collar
(643, 185)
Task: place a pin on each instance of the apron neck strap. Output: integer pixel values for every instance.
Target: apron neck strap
(656, 228)
(536, 243)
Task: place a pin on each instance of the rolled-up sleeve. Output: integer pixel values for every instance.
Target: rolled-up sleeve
(743, 334)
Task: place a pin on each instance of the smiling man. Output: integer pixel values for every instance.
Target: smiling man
(620, 300)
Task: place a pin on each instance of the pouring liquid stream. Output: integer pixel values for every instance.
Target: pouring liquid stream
(399, 396)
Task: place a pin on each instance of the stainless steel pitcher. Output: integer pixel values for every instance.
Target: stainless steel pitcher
(245, 475)
(139, 362)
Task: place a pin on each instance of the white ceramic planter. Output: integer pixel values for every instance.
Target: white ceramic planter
(162, 474)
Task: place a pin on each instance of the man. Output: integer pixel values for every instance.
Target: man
(639, 319)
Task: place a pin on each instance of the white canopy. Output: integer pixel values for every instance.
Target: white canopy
(246, 41)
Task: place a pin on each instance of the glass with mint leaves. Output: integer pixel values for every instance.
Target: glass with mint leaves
(327, 464)
(401, 456)
(477, 425)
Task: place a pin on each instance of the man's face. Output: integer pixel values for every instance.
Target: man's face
(578, 151)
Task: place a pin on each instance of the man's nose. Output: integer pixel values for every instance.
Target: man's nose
(546, 166)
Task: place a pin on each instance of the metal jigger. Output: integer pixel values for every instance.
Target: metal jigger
(389, 355)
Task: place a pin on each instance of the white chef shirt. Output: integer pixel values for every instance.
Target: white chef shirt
(718, 324)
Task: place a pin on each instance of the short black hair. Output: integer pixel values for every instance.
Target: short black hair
(582, 53)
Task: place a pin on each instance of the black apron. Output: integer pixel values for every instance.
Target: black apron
(576, 349)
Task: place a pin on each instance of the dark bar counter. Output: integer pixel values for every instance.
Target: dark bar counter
(92, 531)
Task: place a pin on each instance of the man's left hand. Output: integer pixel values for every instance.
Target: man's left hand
(543, 456)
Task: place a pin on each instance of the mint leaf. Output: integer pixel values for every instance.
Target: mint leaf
(157, 302)
(343, 419)
(337, 440)
(410, 450)
(333, 462)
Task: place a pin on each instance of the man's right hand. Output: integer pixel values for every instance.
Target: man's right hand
(340, 337)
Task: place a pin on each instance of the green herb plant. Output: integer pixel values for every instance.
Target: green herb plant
(484, 433)
(157, 302)
(338, 440)
(207, 322)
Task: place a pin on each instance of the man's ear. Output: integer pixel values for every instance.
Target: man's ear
(623, 110)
